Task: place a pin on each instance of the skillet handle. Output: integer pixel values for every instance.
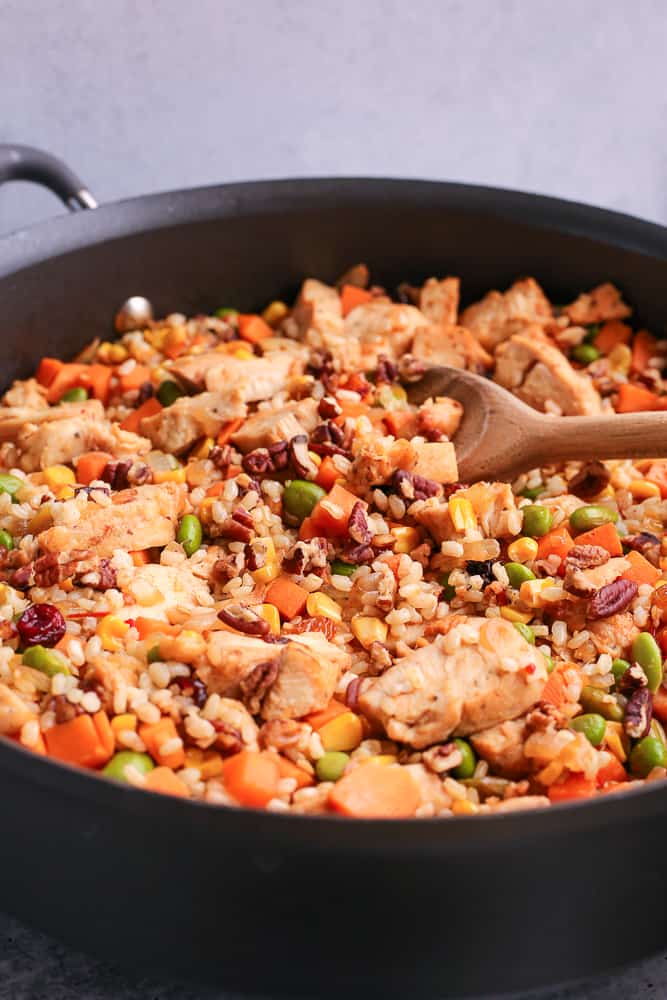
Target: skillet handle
(25, 163)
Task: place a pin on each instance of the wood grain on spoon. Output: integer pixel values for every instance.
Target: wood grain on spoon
(500, 436)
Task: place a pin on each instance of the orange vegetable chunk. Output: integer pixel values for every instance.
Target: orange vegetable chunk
(252, 778)
(376, 793)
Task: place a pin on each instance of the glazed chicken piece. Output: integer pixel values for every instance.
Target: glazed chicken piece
(482, 673)
(439, 417)
(270, 426)
(318, 312)
(538, 373)
(502, 748)
(383, 328)
(253, 379)
(29, 393)
(176, 428)
(439, 300)
(499, 315)
(153, 591)
(378, 458)
(597, 306)
(451, 346)
(494, 508)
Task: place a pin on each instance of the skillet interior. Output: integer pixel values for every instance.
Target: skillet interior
(271, 902)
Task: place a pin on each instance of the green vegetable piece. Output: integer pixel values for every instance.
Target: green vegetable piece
(116, 766)
(592, 515)
(518, 573)
(537, 520)
(48, 661)
(331, 765)
(225, 312)
(6, 539)
(607, 705)
(168, 392)
(646, 652)
(340, 568)
(533, 492)
(592, 725)
(466, 768)
(190, 533)
(300, 498)
(647, 754)
(526, 631)
(618, 668)
(585, 354)
(153, 655)
(549, 661)
(448, 592)
(10, 484)
(76, 395)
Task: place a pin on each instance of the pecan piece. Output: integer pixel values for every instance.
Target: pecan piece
(329, 408)
(638, 714)
(243, 619)
(645, 543)
(609, 600)
(586, 557)
(116, 474)
(633, 679)
(357, 526)
(257, 683)
(301, 460)
(228, 740)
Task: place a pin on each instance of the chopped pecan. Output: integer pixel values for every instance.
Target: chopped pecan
(638, 714)
(243, 619)
(586, 557)
(221, 456)
(257, 462)
(228, 739)
(352, 694)
(590, 481)
(116, 474)
(358, 554)
(301, 460)
(386, 370)
(609, 600)
(329, 408)
(411, 487)
(257, 683)
(633, 679)
(647, 544)
(48, 571)
(279, 452)
(357, 526)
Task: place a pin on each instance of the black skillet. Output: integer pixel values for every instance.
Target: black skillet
(272, 902)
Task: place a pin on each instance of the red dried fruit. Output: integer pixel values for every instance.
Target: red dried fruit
(41, 624)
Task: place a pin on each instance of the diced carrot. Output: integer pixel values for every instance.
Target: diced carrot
(308, 529)
(658, 474)
(660, 704)
(67, 377)
(155, 735)
(97, 378)
(47, 371)
(644, 348)
(251, 778)
(641, 570)
(352, 408)
(376, 793)
(400, 423)
(331, 515)
(351, 297)
(574, 787)
(228, 429)
(253, 329)
(606, 536)
(290, 770)
(134, 379)
(635, 399)
(612, 771)
(140, 557)
(81, 741)
(318, 719)
(327, 474)
(287, 596)
(163, 780)
(147, 409)
(216, 489)
(91, 465)
(154, 626)
(612, 333)
(105, 732)
(557, 542)
(233, 471)
(555, 689)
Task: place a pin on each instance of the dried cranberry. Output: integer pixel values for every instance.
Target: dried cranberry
(41, 624)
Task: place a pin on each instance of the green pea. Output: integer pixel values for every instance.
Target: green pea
(533, 492)
(518, 573)
(585, 354)
(618, 668)
(537, 520)
(76, 395)
(6, 539)
(10, 484)
(466, 768)
(331, 765)
(592, 333)
(225, 312)
(190, 533)
(607, 705)
(526, 631)
(340, 568)
(646, 652)
(448, 592)
(153, 654)
(168, 392)
(300, 498)
(592, 725)
(592, 515)
(647, 754)
(116, 766)
(48, 661)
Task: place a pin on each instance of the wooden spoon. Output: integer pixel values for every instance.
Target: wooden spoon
(500, 436)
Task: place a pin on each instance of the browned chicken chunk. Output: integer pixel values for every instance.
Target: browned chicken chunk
(538, 373)
(499, 315)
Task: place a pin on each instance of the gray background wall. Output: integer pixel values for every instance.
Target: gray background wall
(562, 97)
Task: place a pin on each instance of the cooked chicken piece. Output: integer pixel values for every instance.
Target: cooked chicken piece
(585, 582)
(383, 328)
(493, 505)
(613, 635)
(439, 300)
(318, 312)
(60, 442)
(431, 789)
(502, 748)
(452, 346)
(481, 673)
(14, 712)
(252, 379)
(439, 418)
(152, 591)
(520, 803)
(498, 315)
(598, 306)
(137, 519)
(29, 393)
(13, 419)
(538, 373)
(269, 426)
(377, 459)
(176, 428)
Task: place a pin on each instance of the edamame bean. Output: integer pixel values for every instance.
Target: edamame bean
(48, 661)
(76, 395)
(340, 568)
(518, 573)
(141, 762)
(331, 765)
(592, 515)
(10, 484)
(537, 520)
(300, 498)
(618, 668)
(607, 705)
(190, 533)
(466, 768)
(647, 754)
(526, 631)
(585, 354)
(646, 652)
(6, 539)
(592, 725)
(168, 392)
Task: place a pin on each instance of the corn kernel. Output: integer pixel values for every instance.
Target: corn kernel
(206, 510)
(112, 354)
(522, 550)
(67, 585)
(462, 514)
(121, 723)
(368, 630)
(641, 489)
(169, 475)
(65, 493)
(463, 807)
(512, 615)
(243, 354)
(42, 520)
(315, 458)
(344, 732)
(320, 604)
(551, 772)
(381, 759)
(275, 313)
(271, 568)
(56, 476)
(157, 338)
(211, 766)
(407, 538)
(111, 629)
(270, 614)
(531, 591)
(203, 450)
(175, 338)
(616, 740)
(620, 359)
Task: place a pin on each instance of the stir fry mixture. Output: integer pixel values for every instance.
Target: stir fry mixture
(238, 565)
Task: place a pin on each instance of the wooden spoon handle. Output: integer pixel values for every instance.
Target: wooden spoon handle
(624, 435)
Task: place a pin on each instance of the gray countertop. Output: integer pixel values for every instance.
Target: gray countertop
(566, 99)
